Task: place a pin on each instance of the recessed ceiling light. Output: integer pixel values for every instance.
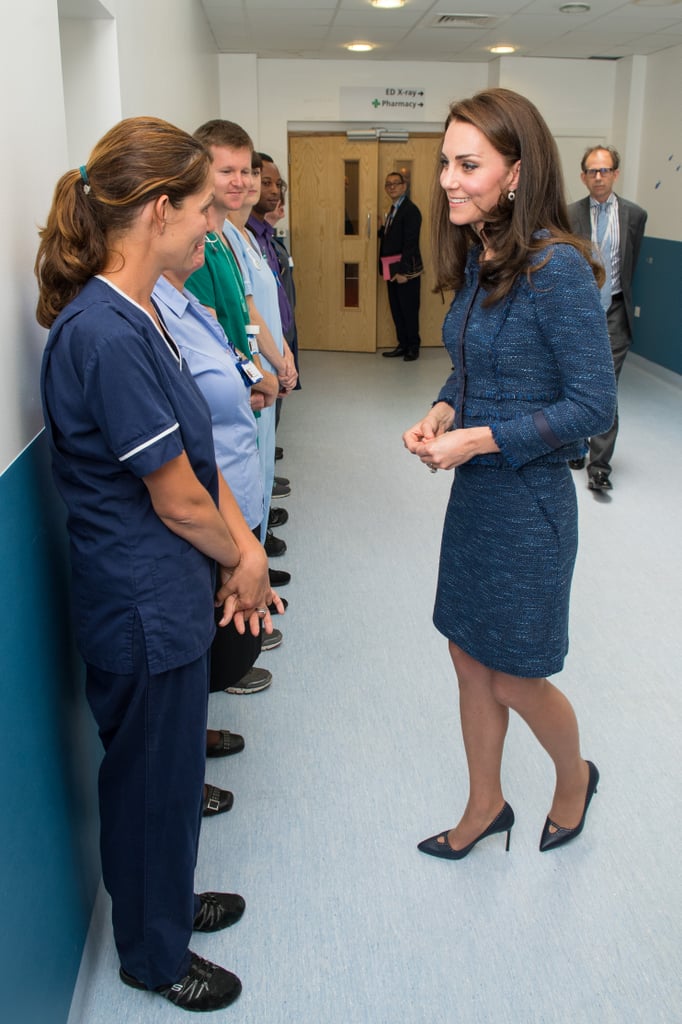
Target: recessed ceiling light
(359, 47)
(574, 8)
(502, 49)
(387, 3)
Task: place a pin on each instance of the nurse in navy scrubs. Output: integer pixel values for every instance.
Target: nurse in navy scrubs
(149, 519)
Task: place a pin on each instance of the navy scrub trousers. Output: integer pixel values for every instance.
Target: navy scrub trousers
(153, 728)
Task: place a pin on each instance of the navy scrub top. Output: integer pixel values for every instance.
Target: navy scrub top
(119, 403)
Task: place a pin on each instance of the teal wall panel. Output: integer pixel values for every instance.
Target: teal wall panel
(48, 756)
(657, 290)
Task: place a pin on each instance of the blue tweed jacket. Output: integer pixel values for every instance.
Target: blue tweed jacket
(536, 367)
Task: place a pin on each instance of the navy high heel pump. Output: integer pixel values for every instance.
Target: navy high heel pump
(502, 823)
(550, 840)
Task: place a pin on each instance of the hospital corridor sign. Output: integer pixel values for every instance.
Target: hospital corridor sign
(397, 101)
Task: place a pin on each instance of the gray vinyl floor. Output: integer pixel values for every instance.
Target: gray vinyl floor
(353, 755)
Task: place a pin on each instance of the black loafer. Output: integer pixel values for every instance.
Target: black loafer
(228, 743)
(279, 578)
(205, 987)
(599, 481)
(216, 801)
(218, 910)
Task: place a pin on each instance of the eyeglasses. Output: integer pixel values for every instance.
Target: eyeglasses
(394, 184)
(592, 172)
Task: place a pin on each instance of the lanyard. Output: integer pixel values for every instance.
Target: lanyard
(214, 238)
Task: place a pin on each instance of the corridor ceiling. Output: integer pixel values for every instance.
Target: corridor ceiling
(443, 30)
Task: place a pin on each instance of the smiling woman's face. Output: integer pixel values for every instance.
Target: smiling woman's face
(185, 234)
(473, 174)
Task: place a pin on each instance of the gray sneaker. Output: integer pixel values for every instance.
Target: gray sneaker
(280, 490)
(256, 679)
(271, 640)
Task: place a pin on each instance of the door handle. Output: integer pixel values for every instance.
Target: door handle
(369, 225)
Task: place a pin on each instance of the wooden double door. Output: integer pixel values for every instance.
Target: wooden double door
(336, 199)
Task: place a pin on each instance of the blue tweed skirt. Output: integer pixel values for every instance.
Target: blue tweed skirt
(509, 544)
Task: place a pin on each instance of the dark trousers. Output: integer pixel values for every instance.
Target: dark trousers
(153, 728)
(404, 302)
(603, 446)
(232, 655)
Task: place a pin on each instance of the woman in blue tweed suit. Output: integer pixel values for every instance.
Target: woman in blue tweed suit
(532, 378)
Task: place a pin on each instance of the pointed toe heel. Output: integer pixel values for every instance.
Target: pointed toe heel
(438, 845)
(554, 835)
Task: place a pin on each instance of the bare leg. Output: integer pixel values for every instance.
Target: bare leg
(550, 716)
(484, 727)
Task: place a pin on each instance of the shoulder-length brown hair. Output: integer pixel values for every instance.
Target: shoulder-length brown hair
(138, 160)
(514, 126)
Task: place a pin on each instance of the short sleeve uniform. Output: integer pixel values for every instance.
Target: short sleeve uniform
(220, 286)
(213, 363)
(119, 402)
(260, 282)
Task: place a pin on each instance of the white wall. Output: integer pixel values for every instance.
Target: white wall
(63, 87)
(660, 168)
(92, 95)
(168, 61)
(34, 155)
(239, 99)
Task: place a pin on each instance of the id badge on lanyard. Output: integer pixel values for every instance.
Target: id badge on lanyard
(250, 373)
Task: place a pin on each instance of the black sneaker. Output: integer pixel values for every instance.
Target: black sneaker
(205, 987)
(218, 910)
(274, 546)
(277, 517)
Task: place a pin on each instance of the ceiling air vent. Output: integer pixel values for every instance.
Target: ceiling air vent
(463, 21)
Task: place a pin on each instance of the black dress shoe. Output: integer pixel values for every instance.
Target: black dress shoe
(438, 846)
(205, 987)
(274, 546)
(599, 481)
(394, 353)
(550, 840)
(218, 910)
(277, 517)
(279, 578)
(410, 356)
(577, 463)
(216, 801)
(228, 743)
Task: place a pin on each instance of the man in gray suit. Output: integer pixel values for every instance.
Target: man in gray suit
(616, 228)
